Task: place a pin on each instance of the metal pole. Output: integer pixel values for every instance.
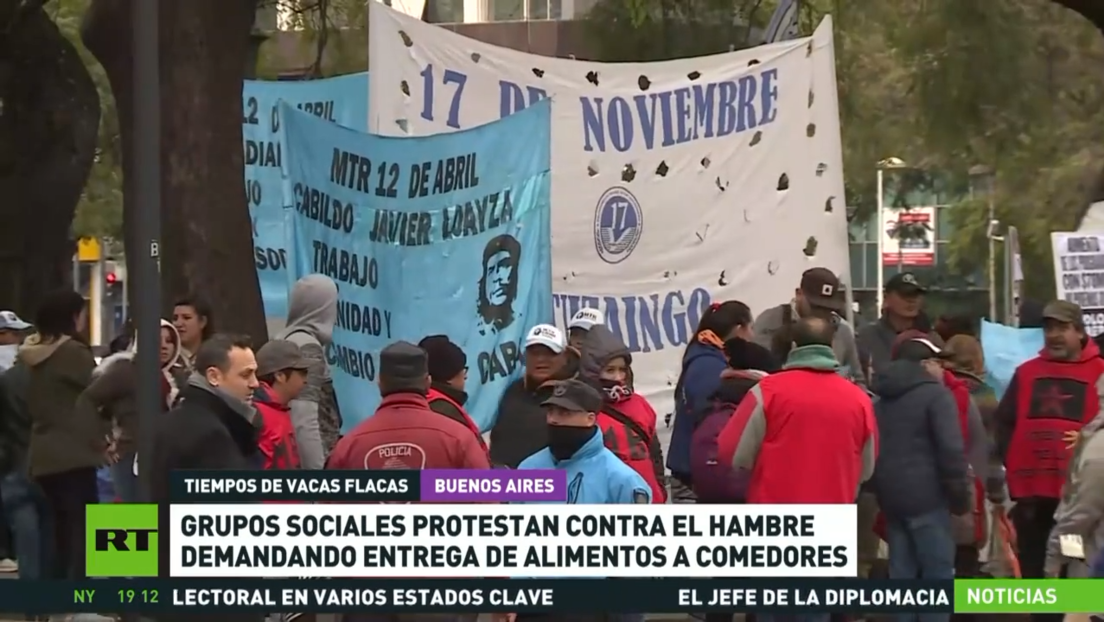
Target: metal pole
(147, 197)
(105, 296)
(879, 224)
(992, 257)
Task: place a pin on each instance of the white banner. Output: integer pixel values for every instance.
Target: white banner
(674, 183)
(1079, 275)
(916, 245)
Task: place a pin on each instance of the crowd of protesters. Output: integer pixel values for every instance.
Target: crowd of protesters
(792, 406)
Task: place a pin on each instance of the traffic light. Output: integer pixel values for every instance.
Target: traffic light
(113, 275)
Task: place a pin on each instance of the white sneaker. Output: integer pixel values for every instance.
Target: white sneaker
(8, 566)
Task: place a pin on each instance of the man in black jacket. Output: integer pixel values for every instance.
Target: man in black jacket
(214, 427)
(921, 476)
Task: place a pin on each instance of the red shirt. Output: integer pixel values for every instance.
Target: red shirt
(277, 437)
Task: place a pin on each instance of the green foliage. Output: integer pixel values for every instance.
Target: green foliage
(100, 211)
(945, 85)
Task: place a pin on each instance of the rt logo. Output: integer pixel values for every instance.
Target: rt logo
(121, 540)
(618, 223)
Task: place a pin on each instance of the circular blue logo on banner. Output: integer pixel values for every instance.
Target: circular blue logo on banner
(618, 223)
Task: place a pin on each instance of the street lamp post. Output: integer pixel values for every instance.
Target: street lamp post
(982, 172)
(890, 163)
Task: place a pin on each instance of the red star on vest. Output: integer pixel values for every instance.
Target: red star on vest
(1052, 401)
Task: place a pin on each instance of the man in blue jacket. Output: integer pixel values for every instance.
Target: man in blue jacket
(594, 474)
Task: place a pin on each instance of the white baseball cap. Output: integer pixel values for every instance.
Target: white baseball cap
(586, 319)
(548, 336)
(10, 321)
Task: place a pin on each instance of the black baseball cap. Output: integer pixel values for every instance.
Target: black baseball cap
(822, 289)
(905, 283)
(575, 396)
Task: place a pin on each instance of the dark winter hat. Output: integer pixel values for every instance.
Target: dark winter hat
(403, 365)
(278, 355)
(744, 354)
(919, 349)
(446, 359)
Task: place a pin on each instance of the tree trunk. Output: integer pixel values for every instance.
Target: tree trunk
(207, 247)
(49, 125)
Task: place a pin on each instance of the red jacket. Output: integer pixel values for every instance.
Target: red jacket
(806, 434)
(277, 437)
(435, 395)
(1049, 398)
(626, 443)
(405, 434)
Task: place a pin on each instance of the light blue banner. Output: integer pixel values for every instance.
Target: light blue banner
(342, 100)
(1005, 349)
(446, 234)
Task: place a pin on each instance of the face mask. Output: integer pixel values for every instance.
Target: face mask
(616, 391)
(564, 441)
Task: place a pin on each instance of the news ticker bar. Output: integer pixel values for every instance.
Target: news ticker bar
(432, 486)
(557, 595)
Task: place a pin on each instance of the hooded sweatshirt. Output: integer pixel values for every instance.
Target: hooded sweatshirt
(112, 392)
(1046, 399)
(63, 437)
(921, 464)
(312, 313)
(628, 422)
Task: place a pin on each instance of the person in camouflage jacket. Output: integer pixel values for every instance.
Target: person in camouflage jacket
(312, 313)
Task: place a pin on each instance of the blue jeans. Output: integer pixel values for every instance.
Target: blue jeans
(26, 512)
(921, 548)
(124, 480)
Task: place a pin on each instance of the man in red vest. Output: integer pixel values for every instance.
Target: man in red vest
(1049, 398)
(448, 372)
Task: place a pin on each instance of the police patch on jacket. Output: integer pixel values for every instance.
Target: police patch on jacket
(640, 496)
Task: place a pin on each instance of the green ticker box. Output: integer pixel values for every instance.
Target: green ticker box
(121, 540)
(1029, 595)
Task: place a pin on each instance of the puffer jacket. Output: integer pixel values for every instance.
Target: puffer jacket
(921, 464)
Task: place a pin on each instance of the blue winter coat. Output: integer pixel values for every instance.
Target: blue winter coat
(594, 475)
(701, 376)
